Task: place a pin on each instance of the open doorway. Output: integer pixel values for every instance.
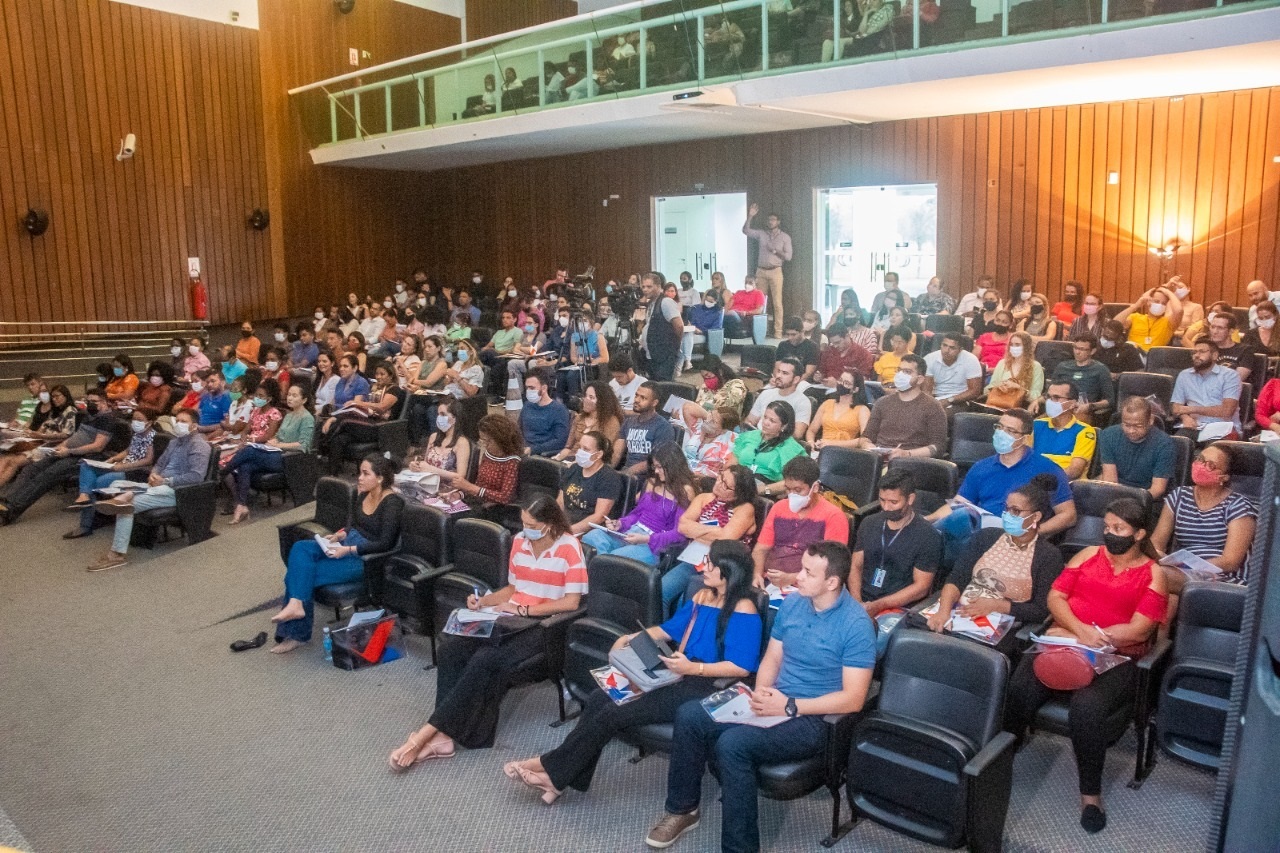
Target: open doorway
(864, 232)
(701, 234)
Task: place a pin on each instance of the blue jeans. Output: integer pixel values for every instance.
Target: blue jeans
(94, 478)
(674, 584)
(607, 543)
(956, 529)
(309, 568)
(739, 751)
(247, 462)
(153, 498)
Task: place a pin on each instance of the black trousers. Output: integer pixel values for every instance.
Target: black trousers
(573, 763)
(472, 678)
(349, 430)
(1090, 708)
(34, 480)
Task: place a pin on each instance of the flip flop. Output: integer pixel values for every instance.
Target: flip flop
(244, 645)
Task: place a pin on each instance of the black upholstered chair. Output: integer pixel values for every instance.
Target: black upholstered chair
(390, 437)
(1184, 449)
(481, 554)
(1137, 384)
(364, 591)
(936, 480)
(971, 434)
(1192, 714)
(1052, 353)
(1248, 464)
(297, 480)
(1092, 498)
(759, 357)
(931, 760)
(192, 512)
(1168, 360)
(335, 502)
(425, 544)
(850, 472)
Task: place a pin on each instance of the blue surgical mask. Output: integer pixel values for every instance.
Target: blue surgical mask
(533, 535)
(462, 356)
(258, 402)
(1012, 524)
(118, 371)
(1002, 441)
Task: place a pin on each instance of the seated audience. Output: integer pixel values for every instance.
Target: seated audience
(706, 316)
(355, 347)
(716, 635)
(501, 448)
(767, 449)
(1091, 378)
(792, 525)
(1091, 319)
(644, 430)
(1207, 393)
(195, 359)
(601, 413)
(34, 384)
(1070, 308)
(465, 377)
(726, 512)
(643, 533)
(1222, 331)
(784, 387)
(710, 442)
(273, 366)
(55, 416)
(325, 384)
(213, 403)
(1018, 378)
(1137, 451)
(1007, 569)
(747, 302)
(1116, 353)
(934, 300)
(374, 529)
(953, 375)
(1059, 437)
(154, 395)
(1192, 312)
(548, 575)
(139, 456)
(264, 418)
(590, 487)
(909, 422)
(1263, 337)
(795, 345)
(122, 388)
(840, 354)
(1039, 324)
(896, 344)
(721, 389)
(625, 381)
(1258, 293)
(819, 661)
(991, 344)
(972, 301)
(1208, 519)
(248, 347)
(229, 364)
(1152, 318)
(1110, 595)
(447, 451)
(842, 417)
(184, 462)
(303, 351)
(293, 432)
(987, 316)
(407, 362)
(544, 422)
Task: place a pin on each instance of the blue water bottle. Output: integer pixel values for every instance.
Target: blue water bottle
(328, 645)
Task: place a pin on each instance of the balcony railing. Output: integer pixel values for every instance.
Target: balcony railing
(658, 45)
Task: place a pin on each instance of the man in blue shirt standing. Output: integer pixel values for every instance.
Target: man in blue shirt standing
(819, 661)
(543, 422)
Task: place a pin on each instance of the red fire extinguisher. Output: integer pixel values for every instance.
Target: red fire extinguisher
(199, 299)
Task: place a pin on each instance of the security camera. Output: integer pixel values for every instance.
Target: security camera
(127, 146)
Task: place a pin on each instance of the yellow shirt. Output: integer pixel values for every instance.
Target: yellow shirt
(1073, 441)
(886, 367)
(1146, 331)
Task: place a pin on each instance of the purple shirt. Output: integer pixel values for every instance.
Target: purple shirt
(660, 515)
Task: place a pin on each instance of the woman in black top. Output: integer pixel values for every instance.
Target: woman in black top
(375, 528)
(386, 399)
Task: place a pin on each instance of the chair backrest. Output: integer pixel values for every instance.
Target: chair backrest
(335, 501)
(1092, 498)
(538, 476)
(1248, 465)
(947, 681)
(482, 549)
(470, 411)
(481, 335)
(1183, 450)
(1168, 358)
(942, 323)
(971, 434)
(624, 591)
(1136, 384)
(850, 472)
(761, 357)
(1209, 621)
(425, 533)
(936, 480)
(1052, 353)
(680, 389)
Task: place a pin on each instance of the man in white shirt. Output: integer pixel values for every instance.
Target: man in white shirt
(953, 375)
(1257, 292)
(373, 325)
(785, 386)
(625, 381)
(972, 301)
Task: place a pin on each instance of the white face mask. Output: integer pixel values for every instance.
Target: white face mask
(1156, 309)
(319, 315)
(422, 301)
(1052, 408)
(749, 286)
(1106, 343)
(1090, 310)
(563, 321)
(798, 502)
(512, 294)
(197, 386)
(44, 396)
(1266, 324)
(443, 422)
(710, 303)
(181, 428)
(1016, 350)
(156, 381)
(271, 365)
(281, 337)
(387, 303)
(532, 396)
(193, 349)
(138, 426)
(475, 279)
(1209, 317)
(583, 458)
(175, 351)
(902, 381)
(399, 288)
(1182, 292)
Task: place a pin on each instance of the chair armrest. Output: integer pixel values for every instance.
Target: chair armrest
(861, 514)
(301, 473)
(196, 505)
(840, 729)
(1025, 632)
(989, 778)
(374, 573)
(554, 630)
(1150, 673)
(990, 754)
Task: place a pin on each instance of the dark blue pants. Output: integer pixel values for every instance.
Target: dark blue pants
(309, 568)
(247, 462)
(739, 750)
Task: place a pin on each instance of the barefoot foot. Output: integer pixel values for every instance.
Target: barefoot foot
(285, 646)
(292, 610)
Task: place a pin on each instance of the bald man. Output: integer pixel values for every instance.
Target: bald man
(1256, 291)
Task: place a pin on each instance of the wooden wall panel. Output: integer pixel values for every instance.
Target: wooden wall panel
(78, 77)
(491, 17)
(1022, 195)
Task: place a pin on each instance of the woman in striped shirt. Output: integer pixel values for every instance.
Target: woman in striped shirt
(548, 575)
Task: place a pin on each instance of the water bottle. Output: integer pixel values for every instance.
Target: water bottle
(328, 646)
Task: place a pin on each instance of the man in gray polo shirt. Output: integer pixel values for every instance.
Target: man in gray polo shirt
(1207, 393)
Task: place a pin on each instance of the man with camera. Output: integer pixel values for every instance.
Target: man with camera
(663, 329)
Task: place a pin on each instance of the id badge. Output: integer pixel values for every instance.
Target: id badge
(877, 579)
(1148, 340)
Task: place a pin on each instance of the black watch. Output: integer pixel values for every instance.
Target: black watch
(792, 710)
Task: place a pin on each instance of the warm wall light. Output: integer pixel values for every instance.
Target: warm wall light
(1113, 178)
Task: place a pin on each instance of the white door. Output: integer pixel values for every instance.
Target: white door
(700, 234)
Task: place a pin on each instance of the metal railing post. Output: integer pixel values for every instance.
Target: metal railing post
(1004, 16)
(333, 118)
(702, 50)
(498, 82)
(764, 35)
(542, 81)
(590, 70)
(359, 124)
(644, 58)
(835, 29)
(422, 101)
(386, 90)
(915, 25)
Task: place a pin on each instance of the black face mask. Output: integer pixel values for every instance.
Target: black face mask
(246, 333)
(990, 306)
(1037, 309)
(895, 514)
(1117, 545)
(999, 329)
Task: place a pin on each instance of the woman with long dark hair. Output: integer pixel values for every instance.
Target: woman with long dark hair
(644, 532)
(718, 636)
(841, 419)
(767, 449)
(726, 512)
(548, 575)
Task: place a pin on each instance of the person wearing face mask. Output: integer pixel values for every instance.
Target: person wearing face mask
(909, 422)
(988, 313)
(1207, 394)
(544, 422)
(319, 320)
(178, 358)
(237, 420)
(155, 393)
(935, 300)
(1059, 437)
(589, 487)
(1208, 519)
(1192, 312)
(600, 412)
(1007, 569)
(896, 553)
(1091, 319)
(1153, 317)
(263, 419)
(897, 343)
(185, 461)
(993, 342)
(54, 418)
(705, 317)
(1108, 595)
(139, 456)
(721, 389)
(547, 575)
(445, 450)
(1115, 353)
(767, 449)
(401, 295)
(1018, 378)
(1071, 307)
(841, 419)
(1263, 337)
(747, 302)
(1020, 294)
(645, 532)
(802, 519)
(711, 442)
(293, 432)
(374, 324)
(988, 483)
(1039, 324)
(522, 355)
(725, 513)
(273, 366)
(972, 301)
(195, 359)
(279, 336)
(1256, 291)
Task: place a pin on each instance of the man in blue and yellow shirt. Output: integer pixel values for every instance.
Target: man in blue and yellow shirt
(1060, 437)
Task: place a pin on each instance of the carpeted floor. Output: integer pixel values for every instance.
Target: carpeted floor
(127, 725)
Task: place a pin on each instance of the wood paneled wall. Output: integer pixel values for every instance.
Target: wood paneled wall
(1021, 194)
(490, 17)
(339, 229)
(77, 77)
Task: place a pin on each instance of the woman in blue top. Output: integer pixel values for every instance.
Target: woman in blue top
(706, 316)
(719, 635)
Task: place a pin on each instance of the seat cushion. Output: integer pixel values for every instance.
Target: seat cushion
(339, 594)
(156, 517)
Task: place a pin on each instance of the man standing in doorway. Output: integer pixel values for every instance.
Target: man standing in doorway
(774, 251)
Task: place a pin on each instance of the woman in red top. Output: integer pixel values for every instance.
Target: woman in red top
(548, 575)
(1112, 595)
(501, 447)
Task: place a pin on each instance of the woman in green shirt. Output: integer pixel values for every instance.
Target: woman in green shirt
(767, 449)
(296, 431)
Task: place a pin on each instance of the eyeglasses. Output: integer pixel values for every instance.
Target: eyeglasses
(1060, 398)
(1016, 433)
(1212, 466)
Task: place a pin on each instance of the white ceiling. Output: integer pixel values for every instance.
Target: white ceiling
(1234, 51)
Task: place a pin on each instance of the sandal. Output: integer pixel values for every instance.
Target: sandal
(549, 792)
(412, 744)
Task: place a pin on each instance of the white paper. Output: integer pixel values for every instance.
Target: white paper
(95, 463)
(1194, 567)
(694, 553)
(267, 447)
(1215, 431)
(1071, 642)
(362, 617)
(1267, 436)
(484, 614)
(674, 404)
(738, 710)
(326, 544)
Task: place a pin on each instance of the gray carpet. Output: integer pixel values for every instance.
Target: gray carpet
(128, 726)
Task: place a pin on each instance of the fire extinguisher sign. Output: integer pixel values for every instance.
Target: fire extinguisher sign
(193, 267)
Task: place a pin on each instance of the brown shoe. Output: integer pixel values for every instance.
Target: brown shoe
(111, 561)
(670, 828)
(77, 533)
(114, 507)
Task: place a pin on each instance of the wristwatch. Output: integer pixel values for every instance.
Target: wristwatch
(791, 709)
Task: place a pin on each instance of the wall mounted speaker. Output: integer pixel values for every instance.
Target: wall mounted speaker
(345, 6)
(36, 222)
(259, 219)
